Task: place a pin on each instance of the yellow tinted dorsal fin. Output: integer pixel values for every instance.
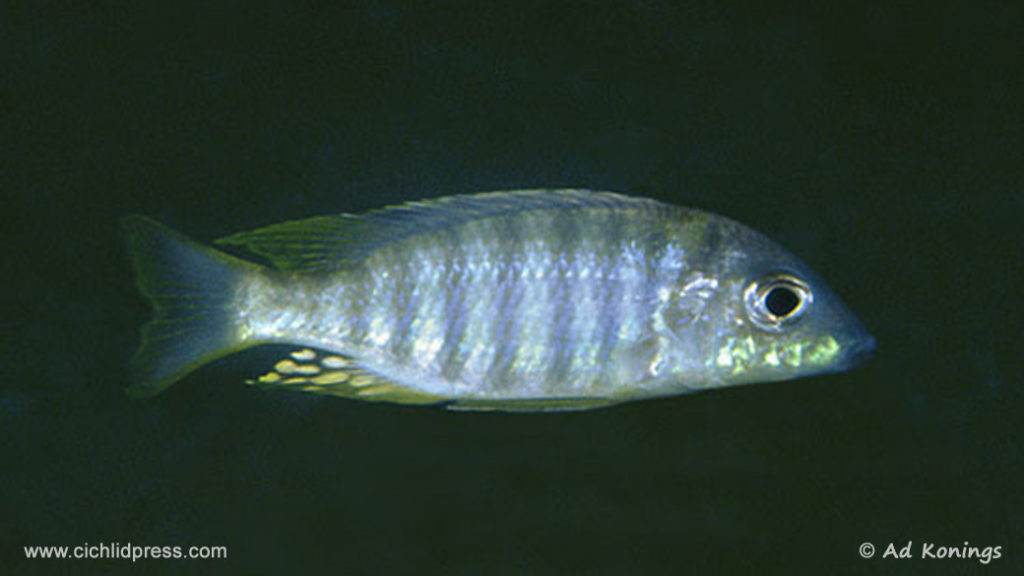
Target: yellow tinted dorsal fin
(335, 375)
(337, 242)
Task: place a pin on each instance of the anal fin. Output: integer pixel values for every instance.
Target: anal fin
(310, 371)
(334, 375)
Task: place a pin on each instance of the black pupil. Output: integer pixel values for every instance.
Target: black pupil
(781, 301)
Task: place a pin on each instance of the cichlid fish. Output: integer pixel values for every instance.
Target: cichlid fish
(515, 301)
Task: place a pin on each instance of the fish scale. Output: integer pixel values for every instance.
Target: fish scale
(521, 300)
(520, 275)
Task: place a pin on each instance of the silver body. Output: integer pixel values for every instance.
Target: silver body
(585, 296)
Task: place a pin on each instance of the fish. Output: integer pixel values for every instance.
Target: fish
(513, 301)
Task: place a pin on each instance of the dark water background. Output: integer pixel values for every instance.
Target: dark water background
(882, 144)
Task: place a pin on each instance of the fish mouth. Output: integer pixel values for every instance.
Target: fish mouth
(865, 350)
(859, 350)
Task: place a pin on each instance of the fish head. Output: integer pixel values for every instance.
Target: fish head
(769, 317)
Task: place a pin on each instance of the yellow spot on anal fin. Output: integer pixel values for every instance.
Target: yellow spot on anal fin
(289, 367)
(327, 378)
(275, 380)
(304, 355)
(334, 362)
(285, 366)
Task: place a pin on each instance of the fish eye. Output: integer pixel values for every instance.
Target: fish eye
(781, 301)
(777, 301)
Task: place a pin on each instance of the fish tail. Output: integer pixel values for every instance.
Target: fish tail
(191, 289)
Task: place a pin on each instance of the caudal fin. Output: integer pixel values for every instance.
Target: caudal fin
(192, 290)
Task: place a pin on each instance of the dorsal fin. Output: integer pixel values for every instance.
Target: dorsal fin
(329, 243)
